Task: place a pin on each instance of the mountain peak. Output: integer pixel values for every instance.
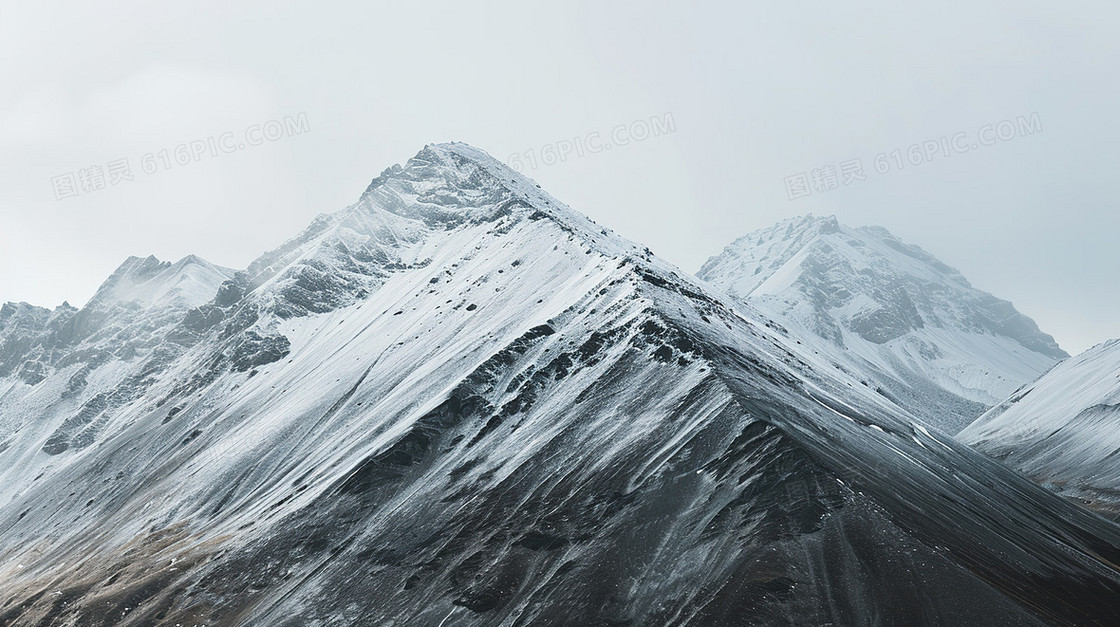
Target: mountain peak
(189, 282)
(820, 224)
(445, 184)
(448, 184)
(806, 223)
(891, 306)
(400, 222)
(12, 313)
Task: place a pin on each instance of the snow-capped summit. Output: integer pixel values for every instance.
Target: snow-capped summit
(458, 401)
(1063, 430)
(344, 257)
(131, 329)
(927, 339)
(149, 282)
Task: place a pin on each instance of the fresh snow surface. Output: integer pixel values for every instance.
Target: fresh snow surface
(914, 327)
(1063, 430)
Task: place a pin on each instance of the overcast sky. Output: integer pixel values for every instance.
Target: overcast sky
(748, 97)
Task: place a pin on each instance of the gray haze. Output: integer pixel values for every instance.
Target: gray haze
(756, 92)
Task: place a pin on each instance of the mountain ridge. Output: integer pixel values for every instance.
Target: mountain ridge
(1061, 429)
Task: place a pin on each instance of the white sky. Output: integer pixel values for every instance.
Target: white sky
(757, 91)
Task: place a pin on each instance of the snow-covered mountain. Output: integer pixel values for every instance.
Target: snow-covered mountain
(914, 327)
(134, 327)
(460, 402)
(1063, 430)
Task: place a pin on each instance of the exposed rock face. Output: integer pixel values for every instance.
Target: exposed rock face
(915, 327)
(460, 402)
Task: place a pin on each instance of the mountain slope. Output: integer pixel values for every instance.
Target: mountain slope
(459, 402)
(1063, 430)
(922, 335)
